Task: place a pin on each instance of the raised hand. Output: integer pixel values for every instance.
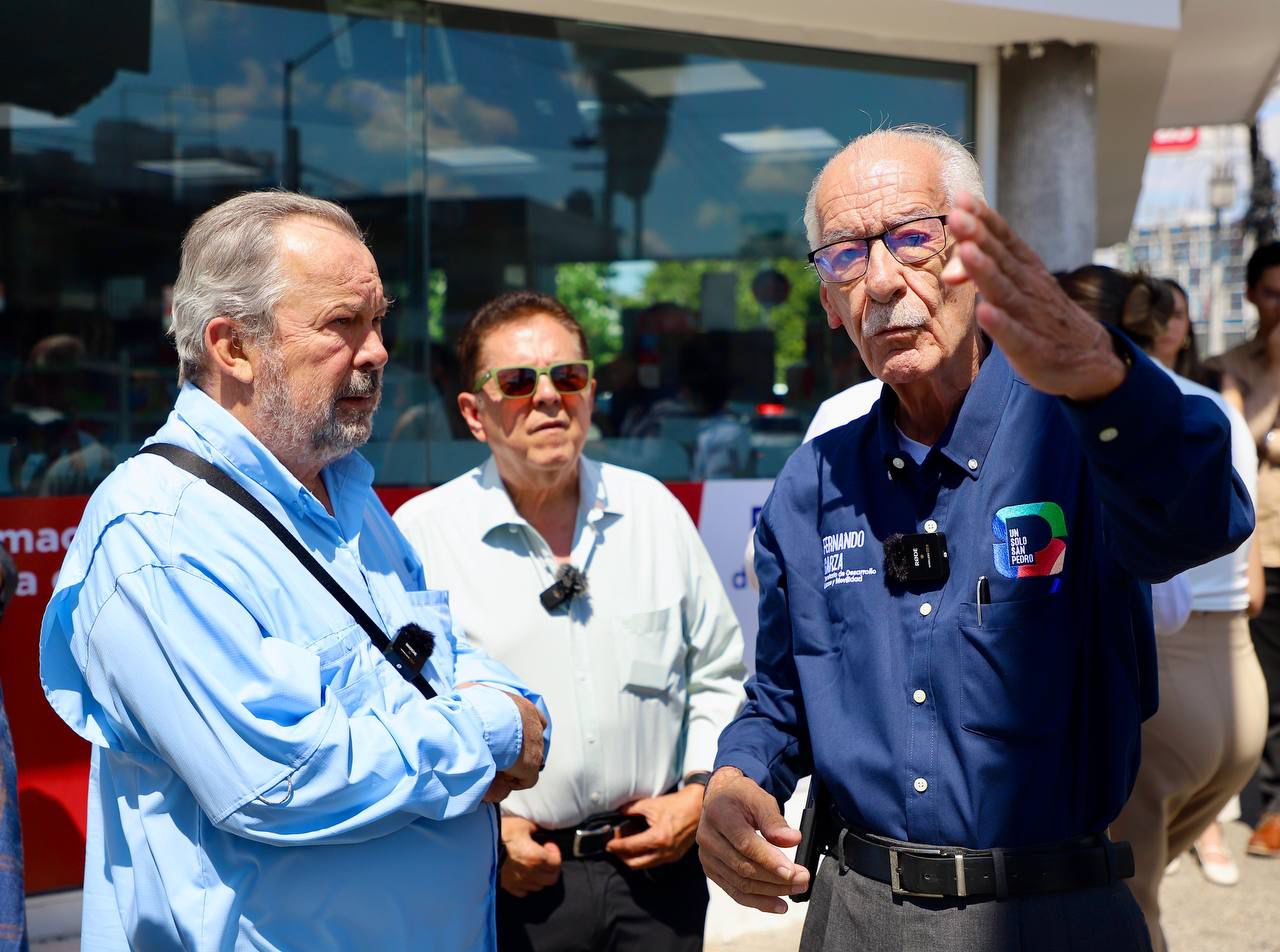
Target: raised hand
(1048, 339)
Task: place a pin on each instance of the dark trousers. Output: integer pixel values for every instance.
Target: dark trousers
(1265, 630)
(600, 905)
(851, 913)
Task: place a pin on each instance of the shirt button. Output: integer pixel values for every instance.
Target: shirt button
(898, 462)
(930, 526)
(926, 608)
(591, 739)
(919, 697)
(921, 785)
(1109, 434)
(596, 798)
(973, 463)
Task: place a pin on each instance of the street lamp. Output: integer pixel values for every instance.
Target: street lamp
(1222, 196)
(291, 174)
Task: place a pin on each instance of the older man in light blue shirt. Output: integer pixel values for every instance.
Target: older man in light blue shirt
(262, 777)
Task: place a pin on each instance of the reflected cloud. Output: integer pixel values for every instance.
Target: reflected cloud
(655, 245)
(712, 213)
(475, 121)
(774, 176)
(232, 102)
(231, 105)
(455, 119)
(437, 184)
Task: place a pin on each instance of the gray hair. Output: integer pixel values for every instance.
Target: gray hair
(231, 267)
(959, 169)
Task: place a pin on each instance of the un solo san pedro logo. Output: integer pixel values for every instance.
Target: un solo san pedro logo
(1031, 540)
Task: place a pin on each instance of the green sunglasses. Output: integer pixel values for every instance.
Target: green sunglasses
(569, 376)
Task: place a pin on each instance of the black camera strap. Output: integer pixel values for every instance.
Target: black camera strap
(408, 653)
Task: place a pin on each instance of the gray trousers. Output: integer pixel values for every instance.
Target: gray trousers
(851, 913)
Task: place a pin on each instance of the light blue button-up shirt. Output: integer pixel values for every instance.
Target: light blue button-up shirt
(262, 778)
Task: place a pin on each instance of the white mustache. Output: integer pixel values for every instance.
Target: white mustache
(897, 316)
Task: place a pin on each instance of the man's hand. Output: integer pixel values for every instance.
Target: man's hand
(673, 824)
(530, 865)
(744, 865)
(1048, 339)
(522, 774)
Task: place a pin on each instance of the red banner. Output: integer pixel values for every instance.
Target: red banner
(1178, 139)
(53, 763)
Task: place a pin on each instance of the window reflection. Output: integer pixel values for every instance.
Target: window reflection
(651, 180)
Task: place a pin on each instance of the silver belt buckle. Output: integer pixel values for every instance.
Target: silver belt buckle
(895, 879)
(595, 830)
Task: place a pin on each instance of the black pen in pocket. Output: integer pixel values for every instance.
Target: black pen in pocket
(983, 596)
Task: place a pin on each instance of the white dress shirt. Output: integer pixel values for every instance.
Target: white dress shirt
(1223, 584)
(640, 674)
(848, 404)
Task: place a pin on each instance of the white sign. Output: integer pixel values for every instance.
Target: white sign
(726, 522)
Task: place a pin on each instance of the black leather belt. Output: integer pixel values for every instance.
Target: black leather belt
(590, 837)
(939, 872)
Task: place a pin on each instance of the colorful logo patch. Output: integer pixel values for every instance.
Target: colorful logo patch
(1031, 540)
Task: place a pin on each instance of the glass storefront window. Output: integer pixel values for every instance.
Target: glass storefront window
(652, 180)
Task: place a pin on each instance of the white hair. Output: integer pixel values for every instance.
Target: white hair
(230, 267)
(956, 164)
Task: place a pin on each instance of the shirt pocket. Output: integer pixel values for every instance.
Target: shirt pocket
(353, 667)
(343, 656)
(650, 652)
(1018, 668)
(429, 610)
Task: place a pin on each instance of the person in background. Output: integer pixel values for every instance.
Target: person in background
(13, 921)
(263, 775)
(1205, 740)
(1176, 348)
(1251, 383)
(590, 579)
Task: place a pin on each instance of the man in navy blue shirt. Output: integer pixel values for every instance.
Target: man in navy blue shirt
(955, 627)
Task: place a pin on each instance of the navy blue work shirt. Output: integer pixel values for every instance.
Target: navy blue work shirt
(925, 724)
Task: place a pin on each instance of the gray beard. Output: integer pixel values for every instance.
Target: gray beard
(302, 428)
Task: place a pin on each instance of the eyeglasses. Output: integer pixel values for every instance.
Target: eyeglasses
(911, 243)
(569, 376)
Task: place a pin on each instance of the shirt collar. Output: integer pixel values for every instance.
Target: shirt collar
(231, 439)
(968, 438)
(497, 509)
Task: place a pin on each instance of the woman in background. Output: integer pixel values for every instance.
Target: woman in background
(1204, 742)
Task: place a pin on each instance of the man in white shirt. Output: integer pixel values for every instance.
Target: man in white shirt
(847, 405)
(642, 667)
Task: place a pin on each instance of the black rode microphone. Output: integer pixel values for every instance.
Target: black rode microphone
(409, 652)
(916, 557)
(569, 582)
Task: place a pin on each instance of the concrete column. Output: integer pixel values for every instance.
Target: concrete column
(1048, 149)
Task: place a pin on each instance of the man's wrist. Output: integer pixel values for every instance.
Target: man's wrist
(696, 778)
(723, 775)
(1106, 372)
